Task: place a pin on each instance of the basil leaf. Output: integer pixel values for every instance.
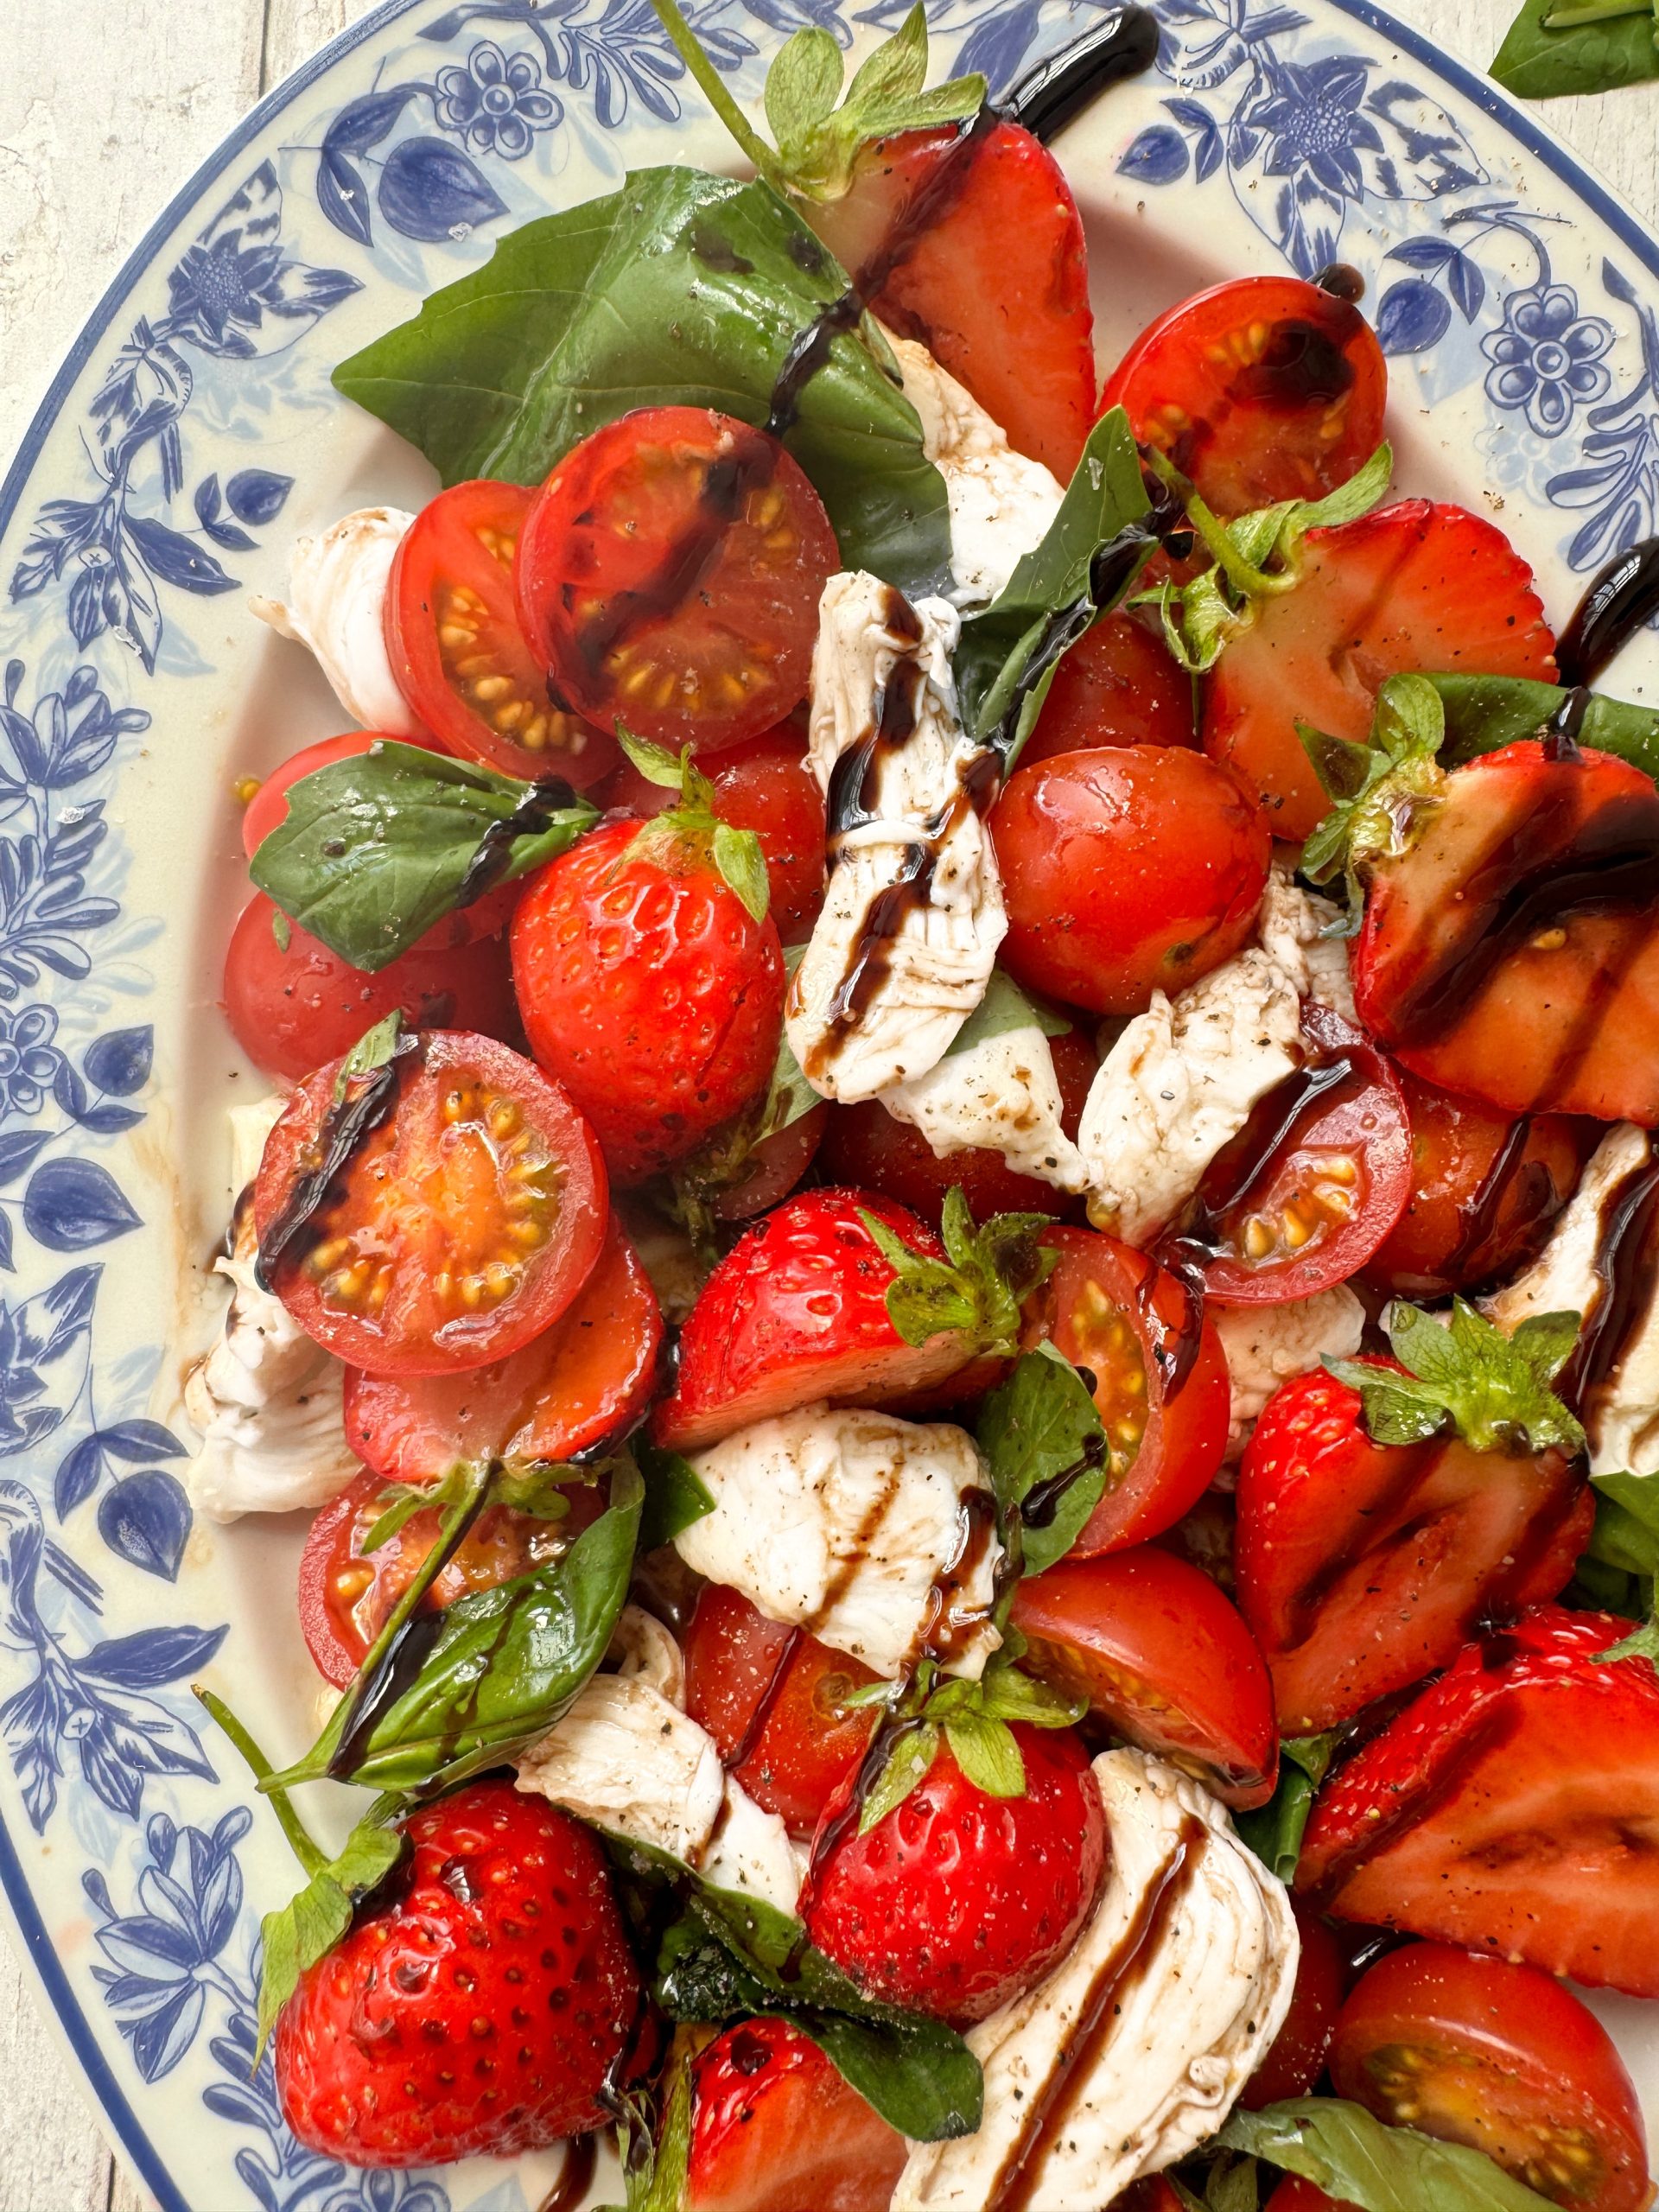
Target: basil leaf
(495, 1671)
(309, 1925)
(675, 1494)
(1535, 64)
(1275, 1831)
(1627, 1522)
(680, 290)
(1486, 713)
(1003, 1008)
(376, 848)
(1041, 1437)
(1359, 2160)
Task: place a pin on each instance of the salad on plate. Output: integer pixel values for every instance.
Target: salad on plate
(956, 1233)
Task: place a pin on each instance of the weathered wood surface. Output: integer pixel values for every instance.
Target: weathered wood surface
(105, 106)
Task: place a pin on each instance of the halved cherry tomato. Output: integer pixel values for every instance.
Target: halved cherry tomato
(769, 1696)
(1484, 1188)
(1127, 870)
(670, 573)
(345, 1599)
(457, 650)
(1313, 1182)
(1161, 1655)
(866, 1145)
(1120, 685)
(1296, 2056)
(586, 1378)
(1261, 388)
(1295, 2195)
(291, 1002)
(1502, 2058)
(772, 1170)
(462, 1225)
(1160, 1380)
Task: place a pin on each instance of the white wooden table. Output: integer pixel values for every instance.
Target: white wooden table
(105, 106)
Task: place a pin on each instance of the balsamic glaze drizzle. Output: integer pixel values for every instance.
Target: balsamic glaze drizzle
(364, 1104)
(1124, 44)
(1622, 599)
(548, 796)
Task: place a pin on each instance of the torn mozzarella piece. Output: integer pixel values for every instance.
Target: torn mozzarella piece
(644, 1650)
(903, 948)
(1178, 1086)
(337, 586)
(1292, 931)
(872, 1533)
(1001, 503)
(1266, 1345)
(631, 1761)
(1001, 1095)
(1133, 2050)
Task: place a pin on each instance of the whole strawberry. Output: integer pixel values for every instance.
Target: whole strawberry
(478, 2001)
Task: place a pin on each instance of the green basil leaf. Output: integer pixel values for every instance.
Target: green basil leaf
(1275, 1831)
(680, 290)
(1039, 1432)
(1358, 2159)
(1486, 713)
(374, 849)
(309, 1925)
(1627, 1522)
(1005, 1006)
(675, 1494)
(1535, 64)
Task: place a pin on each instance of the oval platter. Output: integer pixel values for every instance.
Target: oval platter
(190, 436)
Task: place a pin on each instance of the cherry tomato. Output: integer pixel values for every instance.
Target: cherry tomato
(1313, 1182)
(670, 575)
(1161, 1655)
(1126, 872)
(1160, 1380)
(772, 1170)
(463, 1225)
(1261, 388)
(866, 1146)
(291, 1002)
(346, 1599)
(761, 784)
(457, 650)
(1295, 2195)
(586, 1378)
(769, 1696)
(1484, 1188)
(1120, 685)
(1296, 2056)
(1502, 2058)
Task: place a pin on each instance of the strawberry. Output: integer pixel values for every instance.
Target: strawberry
(478, 2001)
(1512, 1808)
(955, 1903)
(980, 252)
(648, 986)
(1414, 586)
(775, 2127)
(802, 1307)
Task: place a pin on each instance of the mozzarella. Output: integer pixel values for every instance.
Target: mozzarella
(1000, 1094)
(642, 1648)
(871, 1007)
(1001, 503)
(629, 1761)
(856, 1526)
(337, 586)
(1188, 1963)
(1265, 1345)
(1292, 932)
(1178, 1086)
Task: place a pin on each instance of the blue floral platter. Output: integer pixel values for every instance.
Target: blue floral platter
(190, 436)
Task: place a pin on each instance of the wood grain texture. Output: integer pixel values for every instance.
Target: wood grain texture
(107, 106)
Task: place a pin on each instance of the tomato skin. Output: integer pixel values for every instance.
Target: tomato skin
(742, 1670)
(1162, 1655)
(1120, 685)
(773, 1169)
(477, 1141)
(290, 1007)
(1261, 389)
(1125, 871)
(1483, 1192)
(453, 573)
(695, 622)
(866, 1145)
(1296, 2056)
(1295, 2195)
(1151, 1322)
(1502, 2058)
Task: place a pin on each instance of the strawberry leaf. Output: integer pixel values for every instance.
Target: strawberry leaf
(309, 1925)
(743, 861)
(654, 762)
(1380, 792)
(977, 1289)
(819, 143)
(988, 1754)
(915, 1746)
(738, 854)
(1492, 1390)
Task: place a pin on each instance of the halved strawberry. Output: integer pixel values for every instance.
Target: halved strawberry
(1513, 1808)
(775, 2127)
(1414, 586)
(799, 1309)
(984, 261)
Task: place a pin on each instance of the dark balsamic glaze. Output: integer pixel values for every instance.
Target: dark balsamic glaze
(948, 1623)
(1563, 729)
(550, 795)
(808, 352)
(575, 2179)
(888, 1736)
(1621, 600)
(1123, 45)
(1173, 1344)
(1342, 281)
(350, 1121)
(719, 253)
(1512, 1185)
(748, 2052)
(1044, 1500)
(1300, 366)
(1626, 1267)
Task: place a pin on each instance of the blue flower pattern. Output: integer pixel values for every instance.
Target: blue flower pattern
(496, 102)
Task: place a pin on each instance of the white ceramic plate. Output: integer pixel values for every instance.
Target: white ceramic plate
(190, 434)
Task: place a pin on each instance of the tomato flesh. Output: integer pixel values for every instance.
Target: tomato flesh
(463, 1225)
(1261, 388)
(1501, 2058)
(457, 650)
(670, 573)
(1296, 2056)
